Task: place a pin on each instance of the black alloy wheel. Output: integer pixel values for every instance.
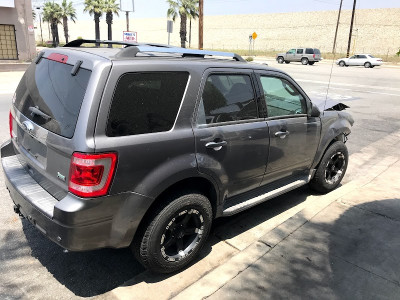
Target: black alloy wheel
(174, 233)
(334, 168)
(182, 234)
(331, 169)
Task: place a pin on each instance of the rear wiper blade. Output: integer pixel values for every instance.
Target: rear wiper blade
(36, 111)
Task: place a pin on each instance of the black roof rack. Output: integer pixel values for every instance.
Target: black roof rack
(132, 49)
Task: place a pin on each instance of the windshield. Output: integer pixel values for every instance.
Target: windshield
(51, 97)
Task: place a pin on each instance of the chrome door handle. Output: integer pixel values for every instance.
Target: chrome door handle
(282, 134)
(216, 145)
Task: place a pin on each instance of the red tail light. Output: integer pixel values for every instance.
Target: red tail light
(10, 123)
(313, 55)
(90, 175)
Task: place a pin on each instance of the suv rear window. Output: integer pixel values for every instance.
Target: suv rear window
(316, 51)
(146, 102)
(309, 51)
(50, 87)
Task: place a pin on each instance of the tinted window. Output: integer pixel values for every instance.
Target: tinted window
(309, 51)
(50, 87)
(227, 98)
(361, 56)
(281, 97)
(146, 102)
(299, 51)
(316, 51)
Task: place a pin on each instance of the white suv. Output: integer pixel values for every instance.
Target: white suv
(366, 60)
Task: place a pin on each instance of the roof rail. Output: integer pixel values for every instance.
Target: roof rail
(80, 42)
(132, 49)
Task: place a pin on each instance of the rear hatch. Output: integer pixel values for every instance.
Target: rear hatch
(317, 54)
(46, 108)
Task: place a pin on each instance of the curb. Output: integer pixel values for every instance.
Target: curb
(217, 278)
(13, 67)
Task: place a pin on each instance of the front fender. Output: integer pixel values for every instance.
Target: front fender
(335, 125)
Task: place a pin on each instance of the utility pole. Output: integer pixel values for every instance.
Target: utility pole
(201, 24)
(337, 26)
(351, 28)
(127, 20)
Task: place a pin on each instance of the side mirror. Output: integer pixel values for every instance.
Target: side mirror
(315, 111)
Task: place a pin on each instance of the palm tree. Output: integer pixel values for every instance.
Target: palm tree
(52, 14)
(67, 12)
(110, 8)
(183, 8)
(96, 8)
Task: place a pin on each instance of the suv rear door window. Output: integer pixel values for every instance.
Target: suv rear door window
(146, 102)
(49, 87)
(299, 51)
(281, 97)
(309, 51)
(227, 97)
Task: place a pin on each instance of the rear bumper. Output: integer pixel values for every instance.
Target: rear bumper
(74, 223)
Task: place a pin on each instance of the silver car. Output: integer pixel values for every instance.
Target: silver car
(366, 60)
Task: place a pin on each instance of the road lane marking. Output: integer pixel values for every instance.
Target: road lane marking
(350, 85)
(363, 91)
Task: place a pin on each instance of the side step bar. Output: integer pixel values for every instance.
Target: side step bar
(264, 197)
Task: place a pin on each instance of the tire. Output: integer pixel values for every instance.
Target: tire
(175, 233)
(342, 63)
(280, 60)
(367, 65)
(304, 60)
(331, 168)
(311, 63)
(287, 62)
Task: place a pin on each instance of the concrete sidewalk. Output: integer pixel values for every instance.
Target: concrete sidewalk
(344, 247)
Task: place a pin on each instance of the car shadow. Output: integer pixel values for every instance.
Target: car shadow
(347, 252)
(92, 273)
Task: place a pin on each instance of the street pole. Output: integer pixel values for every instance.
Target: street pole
(337, 26)
(351, 28)
(127, 20)
(201, 24)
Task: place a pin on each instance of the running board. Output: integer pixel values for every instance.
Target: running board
(264, 197)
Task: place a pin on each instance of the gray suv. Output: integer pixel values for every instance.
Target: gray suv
(304, 55)
(144, 146)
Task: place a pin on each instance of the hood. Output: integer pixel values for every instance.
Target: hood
(329, 104)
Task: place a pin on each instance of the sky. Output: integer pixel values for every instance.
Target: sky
(158, 8)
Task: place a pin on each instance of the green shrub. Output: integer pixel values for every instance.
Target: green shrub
(249, 58)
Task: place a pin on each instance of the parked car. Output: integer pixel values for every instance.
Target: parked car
(366, 60)
(143, 146)
(303, 55)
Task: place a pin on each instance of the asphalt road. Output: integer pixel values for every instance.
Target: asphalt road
(33, 267)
